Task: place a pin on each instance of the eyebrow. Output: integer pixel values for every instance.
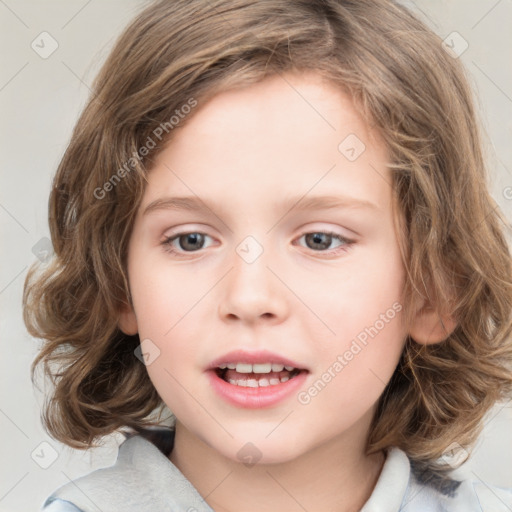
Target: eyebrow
(194, 203)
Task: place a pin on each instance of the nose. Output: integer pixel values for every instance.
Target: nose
(253, 292)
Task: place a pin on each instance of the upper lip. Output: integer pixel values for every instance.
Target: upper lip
(258, 357)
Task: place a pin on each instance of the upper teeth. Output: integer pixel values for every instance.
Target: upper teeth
(256, 368)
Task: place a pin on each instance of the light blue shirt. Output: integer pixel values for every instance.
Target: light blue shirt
(144, 479)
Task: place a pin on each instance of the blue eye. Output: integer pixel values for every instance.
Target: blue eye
(322, 240)
(187, 241)
(191, 242)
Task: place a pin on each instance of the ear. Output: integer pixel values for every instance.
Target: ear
(128, 321)
(429, 326)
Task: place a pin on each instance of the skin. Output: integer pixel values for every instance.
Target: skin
(248, 150)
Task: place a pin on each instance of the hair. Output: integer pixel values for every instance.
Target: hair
(406, 86)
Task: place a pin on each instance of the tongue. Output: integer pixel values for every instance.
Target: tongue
(233, 374)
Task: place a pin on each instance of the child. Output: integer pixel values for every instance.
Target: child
(335, 341)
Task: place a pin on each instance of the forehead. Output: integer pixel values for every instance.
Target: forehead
(287, 135)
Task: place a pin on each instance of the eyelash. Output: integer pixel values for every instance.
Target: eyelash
(167, 243)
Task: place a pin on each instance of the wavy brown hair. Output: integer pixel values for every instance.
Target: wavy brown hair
(404, 84)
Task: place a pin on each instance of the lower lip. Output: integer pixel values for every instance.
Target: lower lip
(256, 398)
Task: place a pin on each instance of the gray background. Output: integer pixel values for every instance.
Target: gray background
(40, 100)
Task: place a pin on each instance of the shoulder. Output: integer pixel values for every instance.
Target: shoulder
(59, 505)
(406, 487)
(143, 478)
(429, 492)
(488, 497)
(137, 461)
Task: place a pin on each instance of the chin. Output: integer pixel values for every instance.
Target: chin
(262, 450)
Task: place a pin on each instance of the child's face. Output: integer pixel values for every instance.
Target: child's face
(255, 282)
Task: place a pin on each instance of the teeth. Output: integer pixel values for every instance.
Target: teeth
(255, 383)
(256, 368)
(262, 368)
(243, 368)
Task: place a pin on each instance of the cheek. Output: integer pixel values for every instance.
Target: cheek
(163, 295)
(356, 369)
(369, 337)
(166, 301)
(362, 300)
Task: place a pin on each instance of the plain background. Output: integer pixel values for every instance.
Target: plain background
(40, 101)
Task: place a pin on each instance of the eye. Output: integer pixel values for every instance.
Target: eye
(187, 242)
(321, 240)
(190, 242)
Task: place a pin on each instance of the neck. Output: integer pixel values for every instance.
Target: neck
(336, 476)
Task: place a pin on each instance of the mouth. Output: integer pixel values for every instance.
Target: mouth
(255, 380)
(256, 375)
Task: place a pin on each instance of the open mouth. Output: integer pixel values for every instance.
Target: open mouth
(258, 383)
(256, 375)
